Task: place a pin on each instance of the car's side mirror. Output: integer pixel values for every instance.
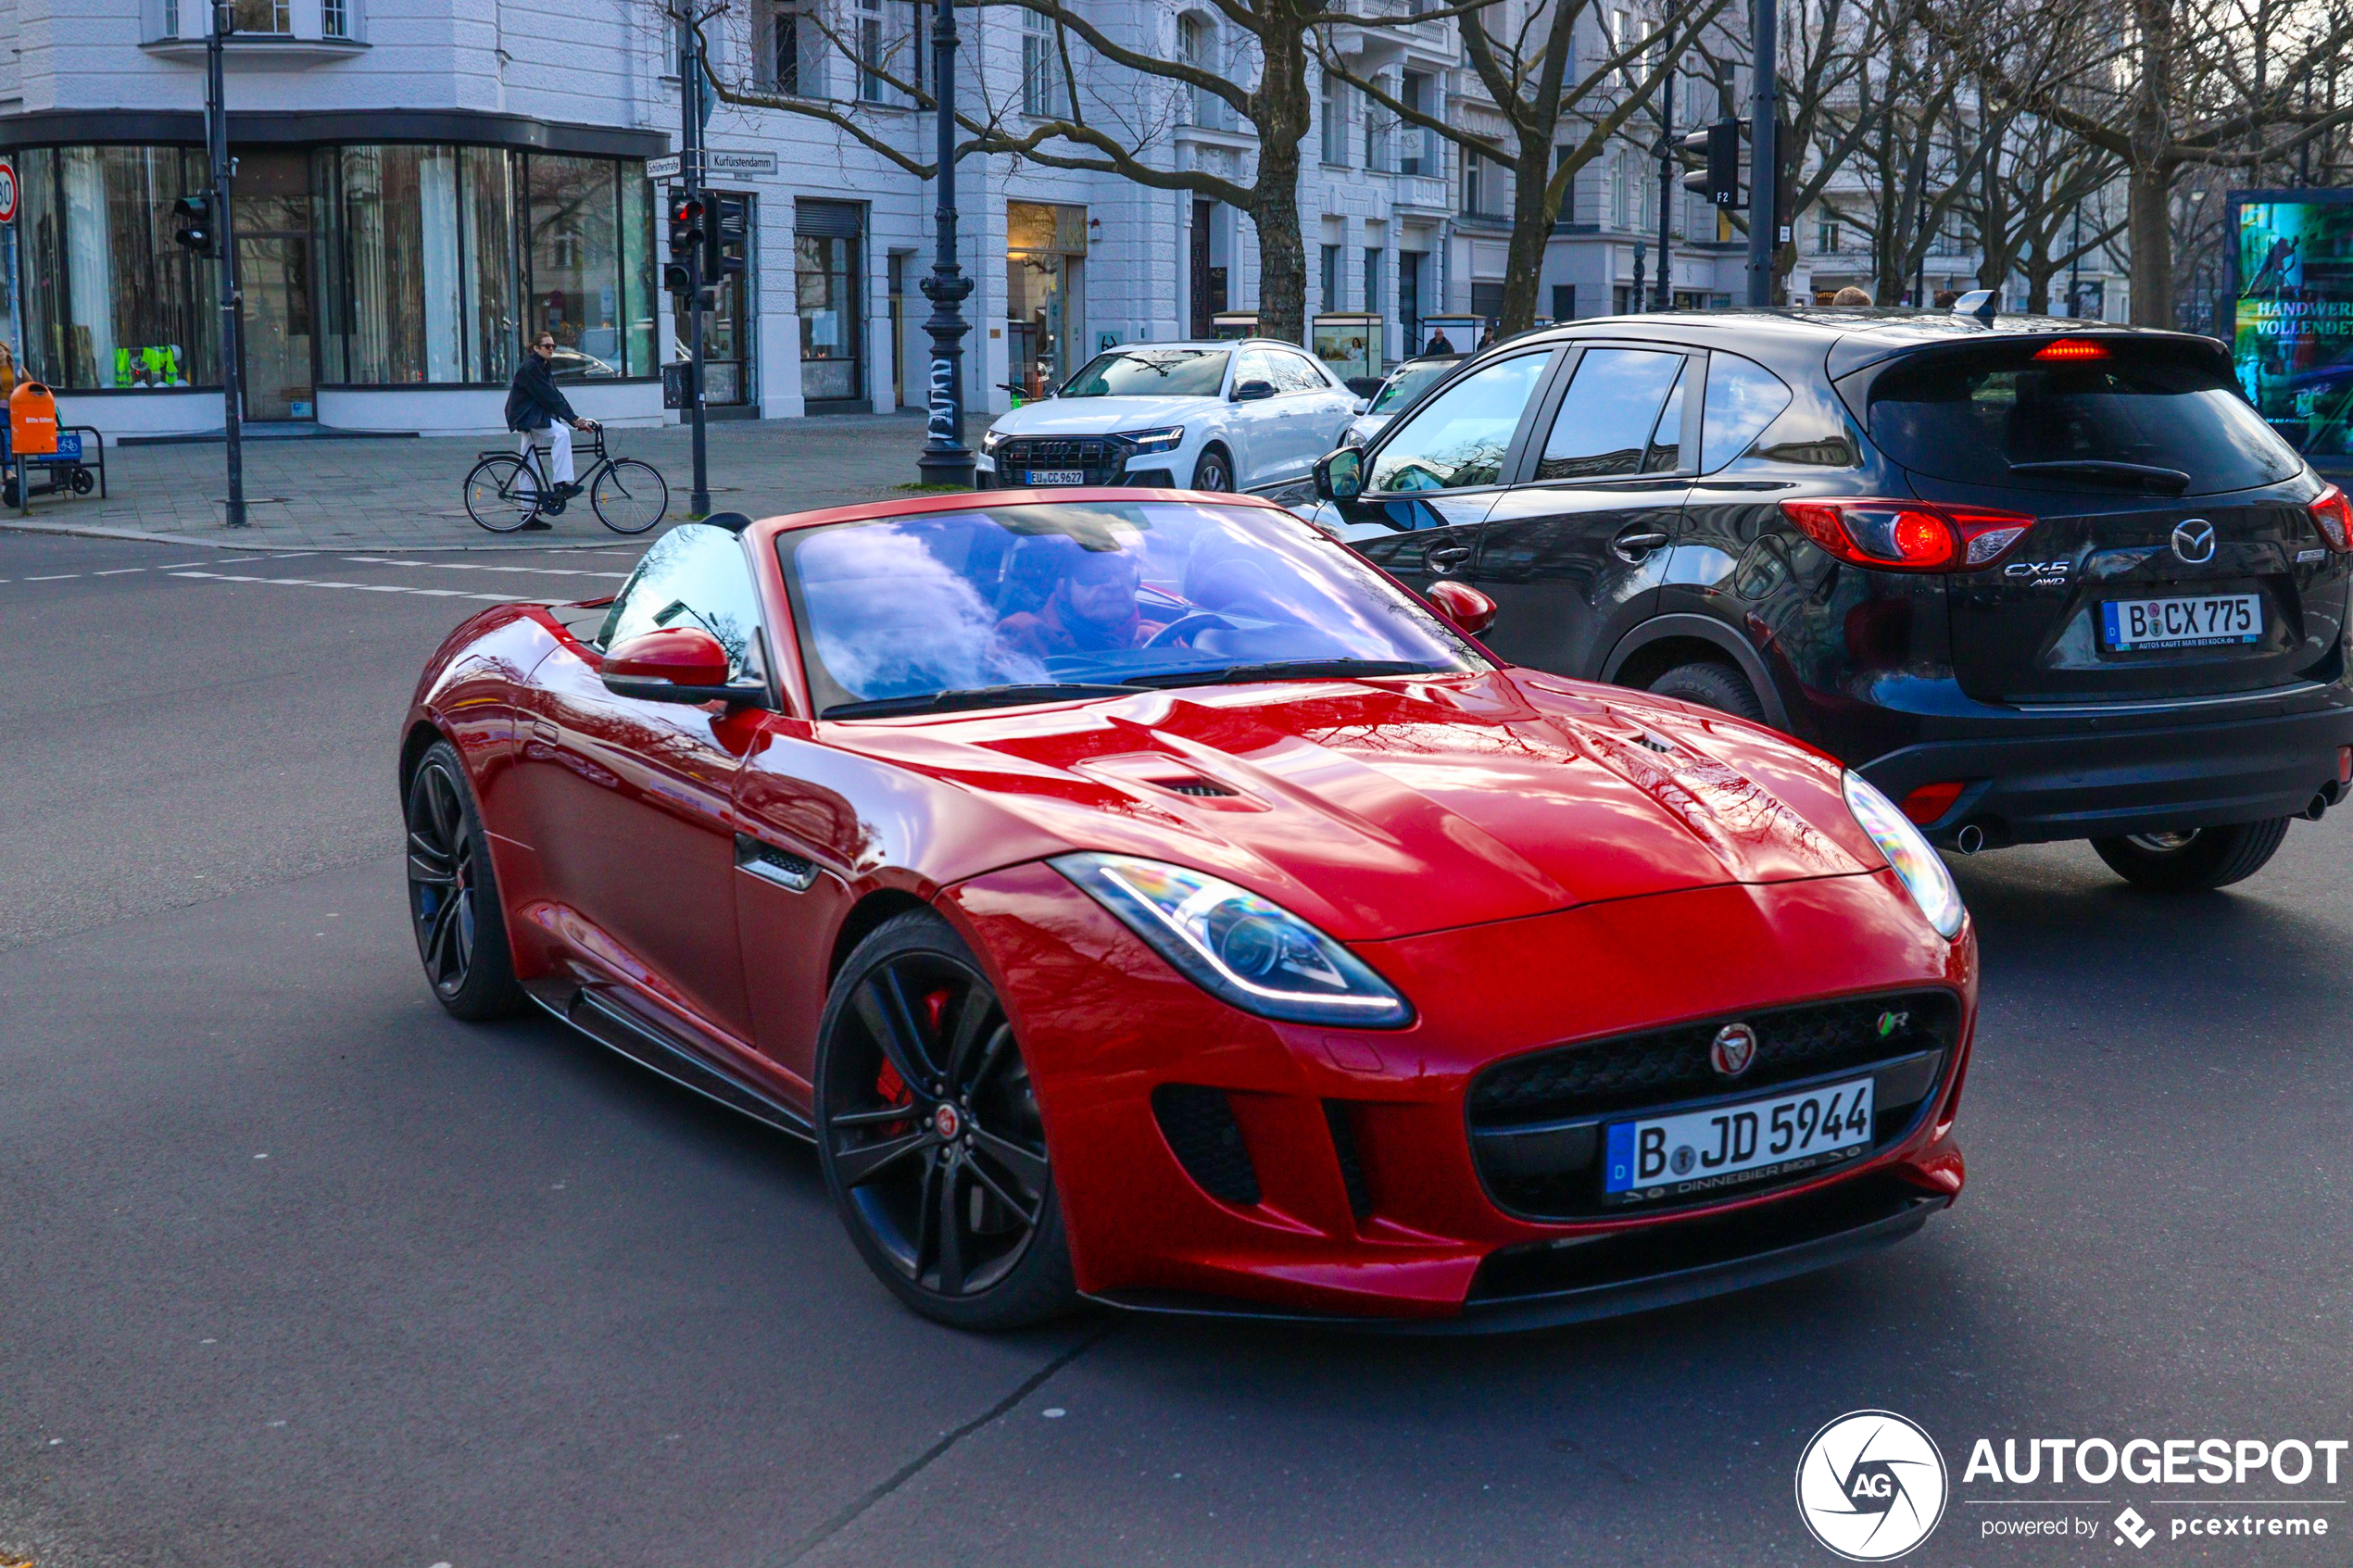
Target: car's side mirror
(1339, 476)
(1465, 609)
(674, 664)
(1253, 391)
(1363, 406)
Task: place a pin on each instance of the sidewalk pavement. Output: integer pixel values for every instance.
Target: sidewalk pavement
(341, 493)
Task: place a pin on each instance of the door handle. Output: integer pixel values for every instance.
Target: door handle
(1447, 557)
(1632, 547)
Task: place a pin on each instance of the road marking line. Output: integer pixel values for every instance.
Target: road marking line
(474, 566)
(60, 577)
(119, 570)
(178, 564)
(356, 587)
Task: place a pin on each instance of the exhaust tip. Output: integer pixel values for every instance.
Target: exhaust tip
(2318, 806)
(1970, 839)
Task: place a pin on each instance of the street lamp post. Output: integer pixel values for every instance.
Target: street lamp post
(946, 460)
(690, 165)
(1764, 156)
(216, 129)
(1665, 187)
(1638, 275)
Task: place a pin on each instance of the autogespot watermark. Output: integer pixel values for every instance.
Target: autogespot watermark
(1871, 1485)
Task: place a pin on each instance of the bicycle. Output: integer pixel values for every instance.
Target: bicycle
(504, 491)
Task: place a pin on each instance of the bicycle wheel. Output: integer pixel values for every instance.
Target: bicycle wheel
(501, 495)
(629, 495)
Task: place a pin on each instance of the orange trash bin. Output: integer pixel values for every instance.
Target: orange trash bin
(32, 420)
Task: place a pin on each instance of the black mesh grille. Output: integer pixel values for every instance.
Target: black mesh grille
(1201, 788)
(1200, 1126)
(1636, 1071)
(1352, 1163)
(1095, 456)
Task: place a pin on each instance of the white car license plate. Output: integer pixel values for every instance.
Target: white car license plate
(1057, 476)
(2211, 622)
(1735, 1144)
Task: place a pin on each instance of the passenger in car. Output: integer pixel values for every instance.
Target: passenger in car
(1092, 610)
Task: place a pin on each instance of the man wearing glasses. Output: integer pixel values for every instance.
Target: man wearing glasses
(534, 404)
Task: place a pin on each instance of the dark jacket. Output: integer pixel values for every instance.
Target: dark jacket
(533, 402)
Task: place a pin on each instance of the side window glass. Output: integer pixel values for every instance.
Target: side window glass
(1742, 399)
(1293, 373)
(1607, 417)
(1460, 437)
(694, 575)
(1255, 364)
(1666, 440)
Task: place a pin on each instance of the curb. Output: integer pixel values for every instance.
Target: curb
(144, 537)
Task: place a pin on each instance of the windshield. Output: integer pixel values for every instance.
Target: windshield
(1098, 593)
(1407, 385)
(1980, 417)
(1151, 373)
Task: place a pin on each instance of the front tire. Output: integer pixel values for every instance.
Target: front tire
(1711, 684)
(453, 892)
(930, 1135)
(2196, 861)
(1215, 473)
(629, 496)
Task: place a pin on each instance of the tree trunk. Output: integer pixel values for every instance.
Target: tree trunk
(2149, 224)
(1532, 230)
(1282, 254)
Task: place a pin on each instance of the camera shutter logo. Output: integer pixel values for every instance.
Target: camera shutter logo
(1871, 1485)
(2194, 540)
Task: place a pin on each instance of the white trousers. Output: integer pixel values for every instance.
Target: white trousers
(560, 470)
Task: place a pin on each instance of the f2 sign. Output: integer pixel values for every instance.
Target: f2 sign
(7, 192)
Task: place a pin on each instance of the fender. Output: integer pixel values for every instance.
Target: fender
(1706, 629)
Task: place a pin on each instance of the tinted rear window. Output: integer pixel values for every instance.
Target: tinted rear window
(1973, 417)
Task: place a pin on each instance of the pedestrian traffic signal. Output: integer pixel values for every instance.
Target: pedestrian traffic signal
(689, 233)
(1718, 149)
(193, 216)
(730, 236)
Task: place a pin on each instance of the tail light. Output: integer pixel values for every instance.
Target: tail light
(2074, 350)
(2334, 516)
(1910, 535)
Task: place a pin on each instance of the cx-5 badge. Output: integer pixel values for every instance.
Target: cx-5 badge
(2194, 540)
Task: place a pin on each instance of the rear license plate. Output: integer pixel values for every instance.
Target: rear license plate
(1735, 1144)
(2211, 622)
(1057, 476)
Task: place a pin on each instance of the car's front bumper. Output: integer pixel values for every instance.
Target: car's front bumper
(1399, 1226)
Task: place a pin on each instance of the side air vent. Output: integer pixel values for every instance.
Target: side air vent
(1352, 1162)
(1200, 1126)
(1192, 786)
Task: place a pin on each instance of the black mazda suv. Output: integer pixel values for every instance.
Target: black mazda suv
(2036, 579)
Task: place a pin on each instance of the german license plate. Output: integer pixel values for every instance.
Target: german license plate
(1057, 476)
(1736, 1145)
(2212, 621)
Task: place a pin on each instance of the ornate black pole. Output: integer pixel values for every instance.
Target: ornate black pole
(690, 165)
(946, 460)
(224, 231)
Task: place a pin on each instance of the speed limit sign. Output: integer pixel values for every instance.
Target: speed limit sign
(7, 192)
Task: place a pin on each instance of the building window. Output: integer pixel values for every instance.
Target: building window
(1041, 74)
(829, 293)
(1416, 156)
(335, 19)
(1332, 278)
(262, 15)
(1567, 213)
(1482, 185)
(1380, 135)
(1335, 119)
(111, 302)
(1372, 279)
(1197, 46)
(1826, 235)
(1564, 302)
(791, 65)
(872, 89)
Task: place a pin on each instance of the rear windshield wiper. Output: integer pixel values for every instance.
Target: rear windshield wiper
(973, 696)
(2172, 482)
(1286, 670)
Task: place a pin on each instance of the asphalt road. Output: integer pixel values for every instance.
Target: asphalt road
(296, 1270)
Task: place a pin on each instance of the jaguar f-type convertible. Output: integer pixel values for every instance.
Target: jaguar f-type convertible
(1137, 895)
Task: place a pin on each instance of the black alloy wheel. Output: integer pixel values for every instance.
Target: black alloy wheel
(930, 1136)
(453, 897)
(2195, 862)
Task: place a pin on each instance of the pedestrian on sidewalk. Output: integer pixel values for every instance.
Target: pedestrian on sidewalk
(534, 403)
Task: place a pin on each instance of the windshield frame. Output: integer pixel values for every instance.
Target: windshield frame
(1224, 353)
(817, 692)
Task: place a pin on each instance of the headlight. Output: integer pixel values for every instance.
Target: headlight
(1908, 852)
(989, 442)
(1165, 439)
(1238, 947)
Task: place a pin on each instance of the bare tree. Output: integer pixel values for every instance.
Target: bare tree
(1527, 61)
(2030, 205)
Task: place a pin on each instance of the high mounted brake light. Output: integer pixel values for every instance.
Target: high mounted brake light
(2072, 348)
(2334, 515)
(1910, 536)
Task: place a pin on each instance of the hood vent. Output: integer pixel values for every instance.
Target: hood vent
(1190, 784)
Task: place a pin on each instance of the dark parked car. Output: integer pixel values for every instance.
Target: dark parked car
(2037, 580)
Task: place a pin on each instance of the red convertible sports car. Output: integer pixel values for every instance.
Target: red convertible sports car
(1137, 895)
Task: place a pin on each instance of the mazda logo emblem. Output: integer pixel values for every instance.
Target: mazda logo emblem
(2194, 540)
(1732, 1050)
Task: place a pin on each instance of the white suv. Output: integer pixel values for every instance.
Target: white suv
(1245, 415)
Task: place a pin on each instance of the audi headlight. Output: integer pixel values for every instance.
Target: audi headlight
(1238, 947)
(991, 440)
(1909, 854)
(1165, 439)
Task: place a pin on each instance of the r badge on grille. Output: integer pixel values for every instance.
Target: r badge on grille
(1733, 1051)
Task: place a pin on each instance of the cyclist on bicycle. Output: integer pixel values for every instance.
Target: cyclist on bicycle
(534, 404)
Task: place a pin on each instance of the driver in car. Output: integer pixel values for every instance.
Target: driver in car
(1092, 610)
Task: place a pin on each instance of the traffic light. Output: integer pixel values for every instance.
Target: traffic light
(730, 232)
(689, 233)
(1718, 149)
(193, 216)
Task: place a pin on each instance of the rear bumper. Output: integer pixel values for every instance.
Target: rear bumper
(2107, 779)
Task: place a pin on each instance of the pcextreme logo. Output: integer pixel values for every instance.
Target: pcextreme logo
(1871, 1486)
